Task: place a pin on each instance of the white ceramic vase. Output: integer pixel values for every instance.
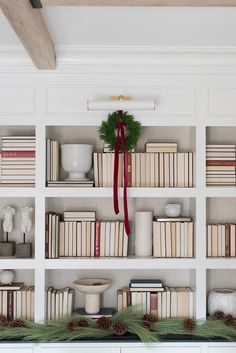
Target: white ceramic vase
(76, 160)
(93, 288)
(143, 233)
(173, 210)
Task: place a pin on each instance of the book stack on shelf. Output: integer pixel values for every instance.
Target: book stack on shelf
(173, 237)
(81, 235)
(220, 165)
(221, 240)
(17, 301)
(160, 166)
(17, 161)
(153, 298)
(53, 168)
(60, 302)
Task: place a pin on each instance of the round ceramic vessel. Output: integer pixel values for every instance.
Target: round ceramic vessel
(173, 210)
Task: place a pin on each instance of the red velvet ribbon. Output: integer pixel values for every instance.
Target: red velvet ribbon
(121, 135)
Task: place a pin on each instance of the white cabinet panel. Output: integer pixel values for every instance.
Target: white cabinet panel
(92, 349)
(15, 350)
(222, 101)
(72, 100)
(162, 350)
(222, 349)
(17, 100)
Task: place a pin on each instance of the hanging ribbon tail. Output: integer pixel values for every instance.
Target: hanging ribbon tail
(126, 213)
(116, 171)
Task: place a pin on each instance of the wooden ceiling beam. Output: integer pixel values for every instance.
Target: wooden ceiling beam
(29, 26)
(161, 3)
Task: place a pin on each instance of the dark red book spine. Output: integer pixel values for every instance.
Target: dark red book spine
(16, 154)
(10, 306)
(129, 169)
(97, 239)
(227, 240)
(221, 163)
(47, 236)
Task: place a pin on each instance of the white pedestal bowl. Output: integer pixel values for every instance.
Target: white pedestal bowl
(76, 160)
(93, 288)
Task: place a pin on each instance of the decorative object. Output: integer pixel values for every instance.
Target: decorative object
(7, 277)
(173, 210)
(143, 233)
(121, 132)
(128, 321)
(223, 300)
(93, 288)
(7, 248)
(77, 160)
(24, 250)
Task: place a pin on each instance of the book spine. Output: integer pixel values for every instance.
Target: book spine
(218, 163)
(10, 307)
(97, 239)
(227, 240)
(14, 154)
(129, 169)
(47, 236)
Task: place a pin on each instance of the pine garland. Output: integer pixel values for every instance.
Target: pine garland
(127, 321)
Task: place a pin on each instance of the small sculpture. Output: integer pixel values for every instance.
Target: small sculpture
(26, 221)
(7, 276)
(8, 213)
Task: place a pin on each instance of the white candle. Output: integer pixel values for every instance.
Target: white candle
(143, 233)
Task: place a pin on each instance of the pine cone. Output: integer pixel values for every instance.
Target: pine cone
(82, 323)
(119, 328)
(3, 320)
(189, 325)
(229, 320)
(218, 315)
(148, 318)
(17, 323)
(72, 325)
(104, 322)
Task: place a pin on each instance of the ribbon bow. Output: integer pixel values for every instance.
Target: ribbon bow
(121, 135)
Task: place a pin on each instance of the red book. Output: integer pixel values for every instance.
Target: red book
(221, 163)
(227, 240)
(10, 308)
(47, 236)
(129, 169)
(153, 304)
(97, 239)
(16, 154)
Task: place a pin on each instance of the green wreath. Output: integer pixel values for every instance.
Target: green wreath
(108, 130)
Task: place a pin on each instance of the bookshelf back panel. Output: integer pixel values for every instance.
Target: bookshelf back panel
(120, 278)
(221, 135)
(221, 278)
(221, 209)
(16, 130)
(26, 276)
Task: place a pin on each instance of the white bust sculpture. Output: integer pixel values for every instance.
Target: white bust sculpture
(26, 221)
(8, 213)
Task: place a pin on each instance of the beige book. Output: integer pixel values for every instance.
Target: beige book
(104, 169)
(28, 301)
(139, 299)
(156, 170)
(109, 169)
(214, 238)
(173, 303)
(125, 244)
(190, 239)
(180, 170)
(65, 301)
(182, 240)
(167, 289)
(161, 170)
(148, 170)
(232, 240)
(107, 239)
(209, 241)
(163, 305)
(18, 304)
(95, 169)
(186, 239)
(79, 215)
(79, 239)
(166, 170)
(173, 239)
(152, 170)
(88, 239)
(163, 239)
(62, 239)
(49, 302)
(102, 238)
(70, 239)
(100, 169)
(57, 304)
(178, 239)
(171, 164)
(125, 292)
(133, 298)
(17, 172)
(219, 240)
(190, 170)
(92, 233)
(175, 158)
(4, 302)
(119, 300)
(112, 239)
(186, 170)
(168, 239)
(157, 239)
(159, 304)
(84, 238)
(23, 303)
(74, 239)
(190, 303)
(183, 302)
(143, 169)
(32, 302)
(66, 239)
(121, 236)
(133, 168)
(117, 231)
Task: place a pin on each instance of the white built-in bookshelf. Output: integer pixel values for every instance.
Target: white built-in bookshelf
(191, 110)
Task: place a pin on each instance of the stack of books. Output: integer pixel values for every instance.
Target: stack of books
(152, 298)
(18, 161)
(17, 301)
(81, 235)
(60, 303)
(220, 165)
(221, 240)
(173, 237)
(147, 169)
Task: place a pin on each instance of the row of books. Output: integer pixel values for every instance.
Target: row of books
(60, 302)
(173, 237)
(81, 235)
(146, 169)
(17, 161)
(152, 298)
(220, 165)
(17, 301)
(221, 240)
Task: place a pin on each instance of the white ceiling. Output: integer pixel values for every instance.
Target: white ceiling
(135, 26)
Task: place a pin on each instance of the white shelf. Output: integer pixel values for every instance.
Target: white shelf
(17, 192)
(227, 191)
